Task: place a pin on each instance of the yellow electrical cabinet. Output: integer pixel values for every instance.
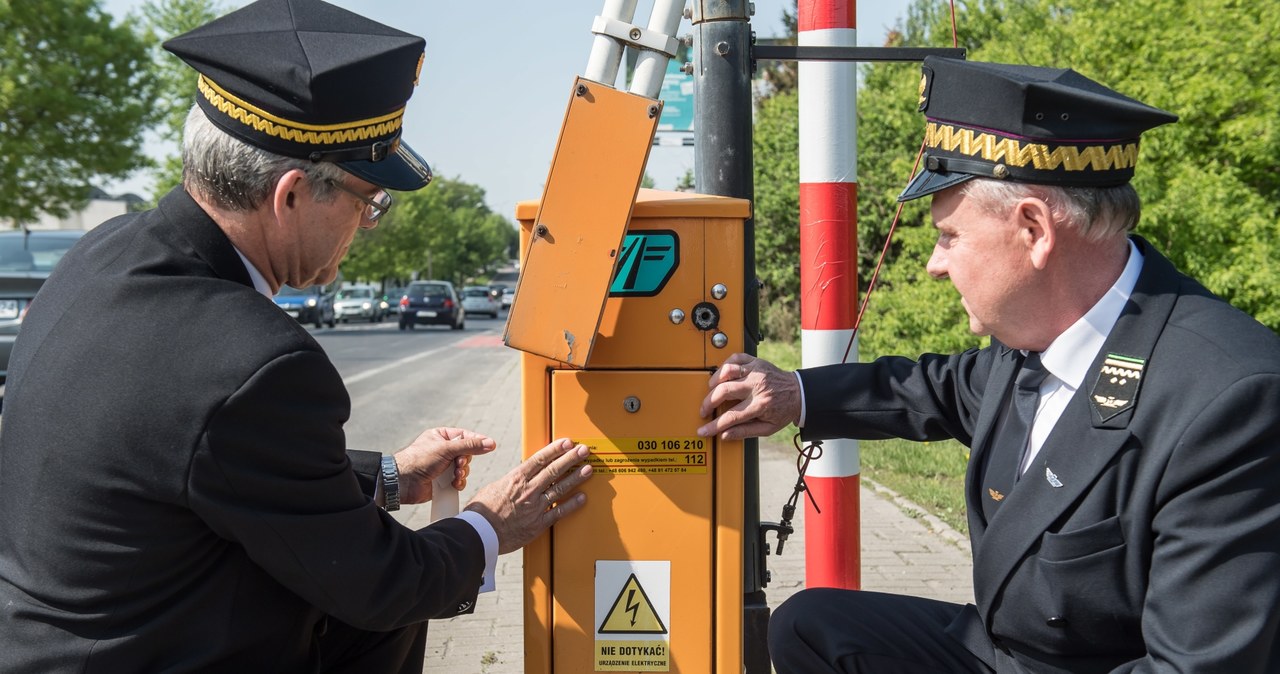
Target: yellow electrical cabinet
(648, 577)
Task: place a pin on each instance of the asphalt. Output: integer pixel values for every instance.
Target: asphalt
(904, 549)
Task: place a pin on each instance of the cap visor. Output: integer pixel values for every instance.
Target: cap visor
(403, 170)
(927, 182)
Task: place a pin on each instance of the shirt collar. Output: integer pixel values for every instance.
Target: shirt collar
(1069, 356)
(259, 281)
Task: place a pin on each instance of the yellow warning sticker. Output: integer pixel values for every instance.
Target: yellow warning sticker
(649, 456)
(633, 612)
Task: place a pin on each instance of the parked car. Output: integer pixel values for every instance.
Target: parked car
(479, 300)
(508, 296)
(26, 259)
(390, 302)
(357, 302)
(431, 303)
(313, 304)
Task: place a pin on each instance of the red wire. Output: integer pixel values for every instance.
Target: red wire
(955, 35)
(884, 252)
(893, 226)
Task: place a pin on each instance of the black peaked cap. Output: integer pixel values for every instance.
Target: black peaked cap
(1050, 126)
(307, 79)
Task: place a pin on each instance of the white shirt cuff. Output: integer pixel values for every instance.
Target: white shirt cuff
(800, 423)
(490, 539)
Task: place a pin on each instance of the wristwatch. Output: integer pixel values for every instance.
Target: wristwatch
(390, 484)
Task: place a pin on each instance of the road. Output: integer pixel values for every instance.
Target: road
(403, 382)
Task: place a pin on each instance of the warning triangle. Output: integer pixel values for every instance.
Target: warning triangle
(632, 612)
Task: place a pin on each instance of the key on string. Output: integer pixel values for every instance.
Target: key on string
(803, 457)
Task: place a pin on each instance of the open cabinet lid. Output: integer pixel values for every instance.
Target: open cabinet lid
(587, 202)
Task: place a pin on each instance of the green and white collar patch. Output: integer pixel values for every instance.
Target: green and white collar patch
(1116, 389)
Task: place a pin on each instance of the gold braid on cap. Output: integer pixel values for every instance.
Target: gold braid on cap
(309, 134)
(1014, 152)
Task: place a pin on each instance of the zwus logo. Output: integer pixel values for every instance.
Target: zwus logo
(648, 260)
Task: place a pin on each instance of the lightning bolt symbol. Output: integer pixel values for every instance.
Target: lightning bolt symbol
(631, 606)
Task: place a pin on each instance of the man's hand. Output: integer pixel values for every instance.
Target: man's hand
(534, 495)
(768, 399)
(434, 452)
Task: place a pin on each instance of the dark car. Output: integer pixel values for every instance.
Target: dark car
(26, 258)
(431, 303)
(313, 304)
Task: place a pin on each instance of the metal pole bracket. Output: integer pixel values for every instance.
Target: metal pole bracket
(631, 34)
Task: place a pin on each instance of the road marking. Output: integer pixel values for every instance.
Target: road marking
(348, 381)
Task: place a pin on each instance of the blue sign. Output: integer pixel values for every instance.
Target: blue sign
(647, 262)
(677, 98)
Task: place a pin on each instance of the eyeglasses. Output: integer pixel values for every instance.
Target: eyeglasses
(375, 207)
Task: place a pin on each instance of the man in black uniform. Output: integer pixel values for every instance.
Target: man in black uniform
(174, 480)
(1125, 441)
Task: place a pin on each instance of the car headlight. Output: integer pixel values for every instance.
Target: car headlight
(366, 305)
(311, 302)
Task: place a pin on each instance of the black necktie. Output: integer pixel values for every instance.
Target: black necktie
(1008, 448)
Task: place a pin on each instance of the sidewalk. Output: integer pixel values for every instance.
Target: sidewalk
(904, 550)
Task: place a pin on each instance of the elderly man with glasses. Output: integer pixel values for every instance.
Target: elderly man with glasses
(176, 486)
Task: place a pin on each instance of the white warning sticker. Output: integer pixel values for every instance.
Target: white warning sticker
(633, 616)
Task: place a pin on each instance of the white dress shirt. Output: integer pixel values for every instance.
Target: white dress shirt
(1069, 356)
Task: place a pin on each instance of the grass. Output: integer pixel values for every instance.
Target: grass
(929, 474)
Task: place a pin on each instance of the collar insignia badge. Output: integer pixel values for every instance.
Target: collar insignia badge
(1051, 478)
(1116, 388)
(995, 495)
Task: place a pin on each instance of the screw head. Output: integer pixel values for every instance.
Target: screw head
(719, 340)
(631, 404)
(677, 316)
(719, 291)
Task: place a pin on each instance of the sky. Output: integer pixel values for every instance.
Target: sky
(496, 82)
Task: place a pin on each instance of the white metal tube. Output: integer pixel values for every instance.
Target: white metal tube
(606, 52)
(651, 66)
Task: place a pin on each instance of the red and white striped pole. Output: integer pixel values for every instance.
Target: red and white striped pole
(828, 276)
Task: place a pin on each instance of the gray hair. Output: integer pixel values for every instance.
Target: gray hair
(1096, 213)
(237, 176)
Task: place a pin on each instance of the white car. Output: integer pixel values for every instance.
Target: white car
(357, 302)
(508, 295)
(478, 300)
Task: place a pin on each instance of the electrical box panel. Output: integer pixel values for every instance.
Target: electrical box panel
(649, 575)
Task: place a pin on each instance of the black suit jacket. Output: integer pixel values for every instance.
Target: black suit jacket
(1139, 541)
(175, 489)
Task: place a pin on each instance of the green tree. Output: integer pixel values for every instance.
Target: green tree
(1210, 189)
(777, 210)
(76, 94)
(686, 182)
(444, 231)
(164, 19)
(908, 312)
